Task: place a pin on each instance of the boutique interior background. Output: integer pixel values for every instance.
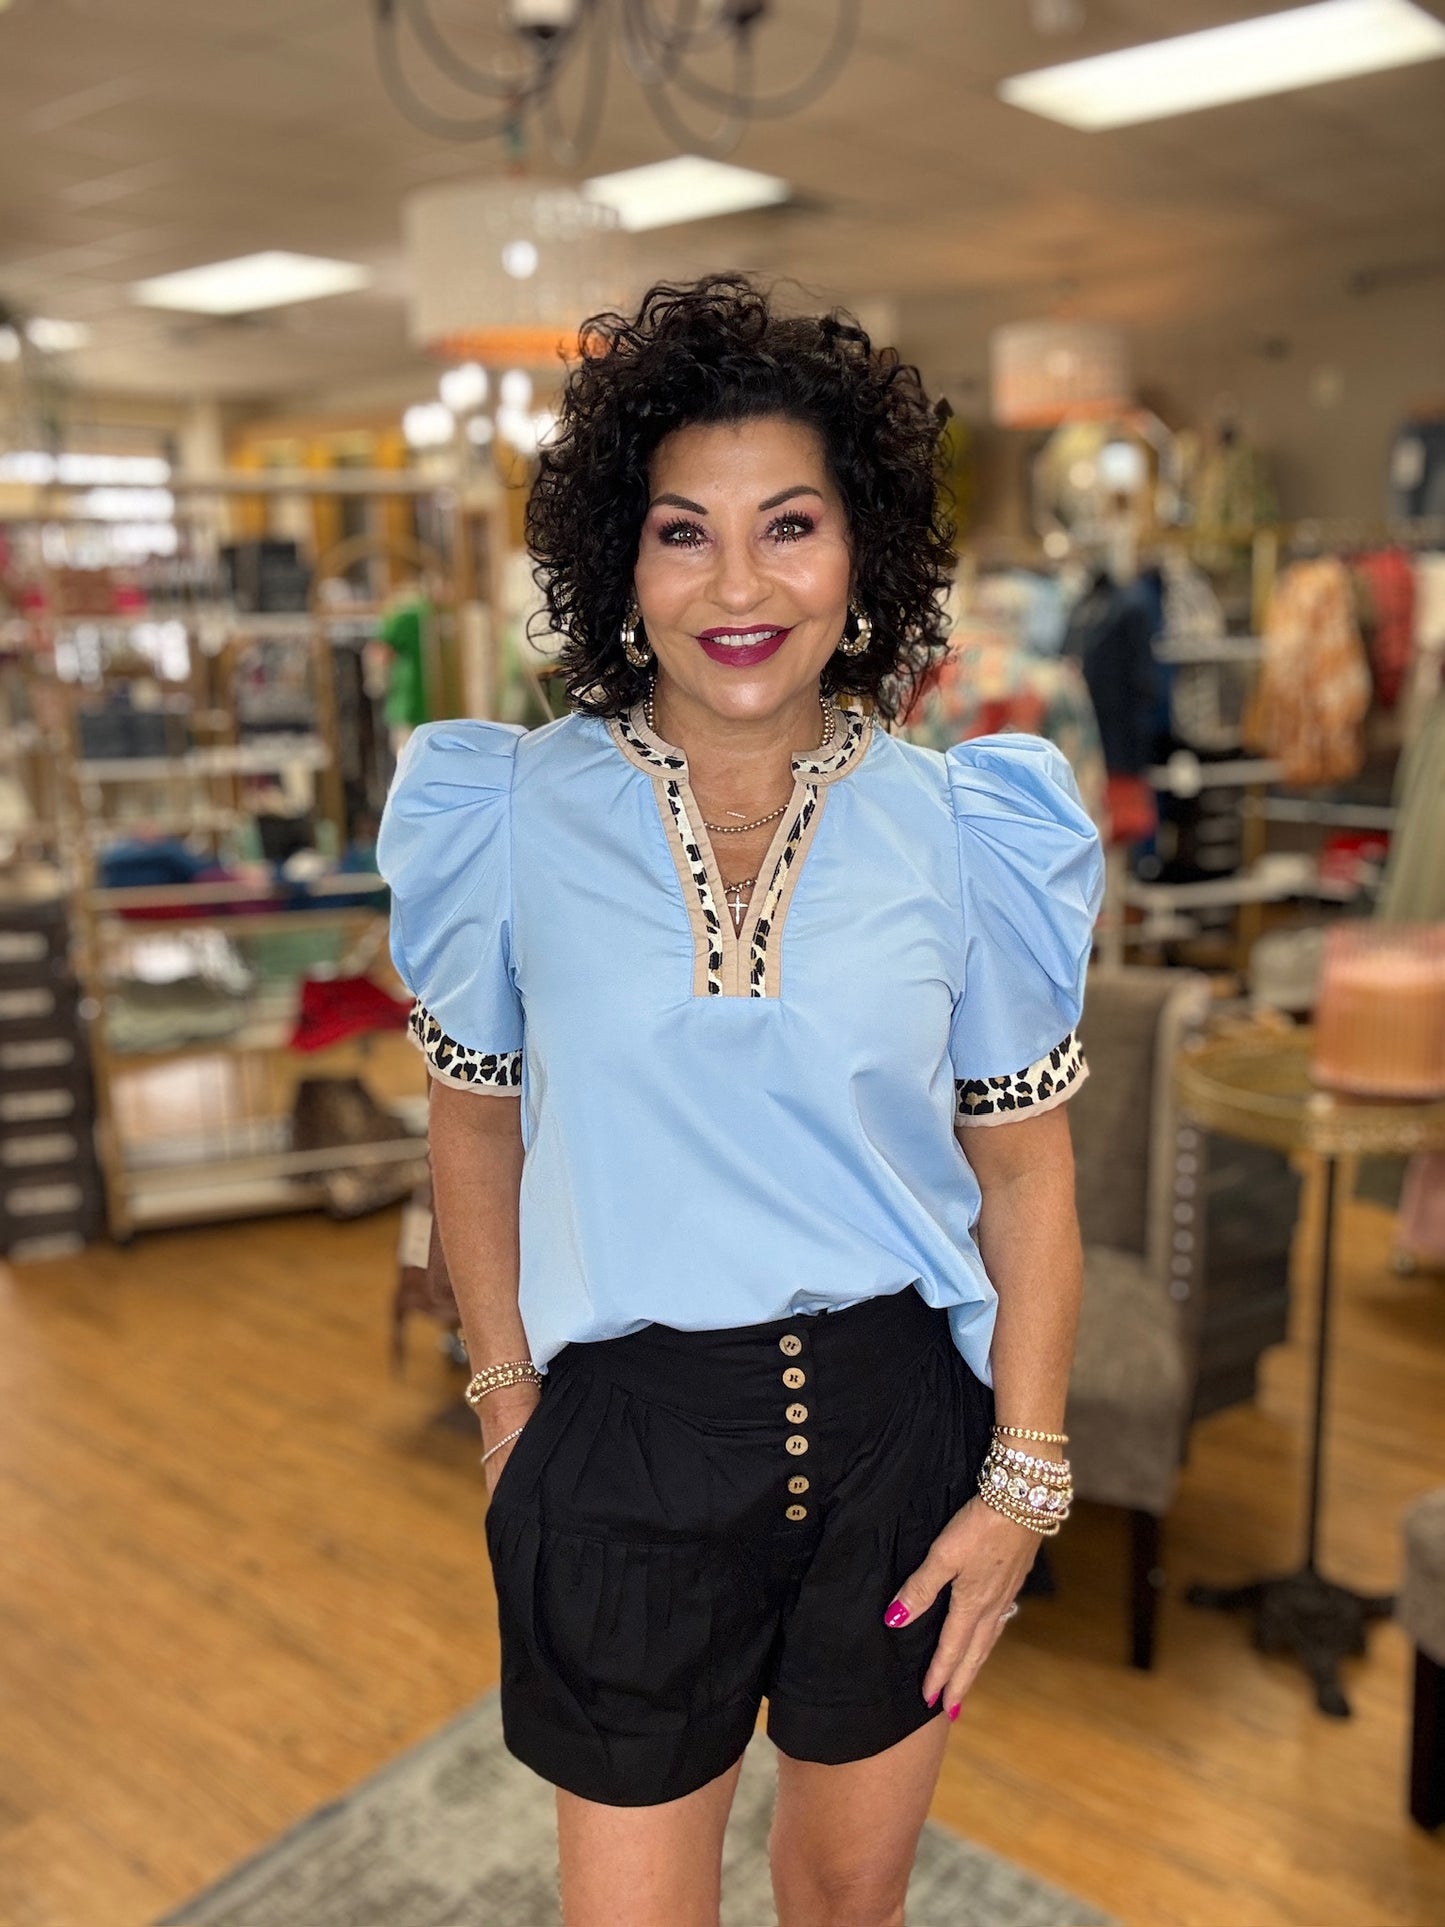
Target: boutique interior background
(241, 1565)
(1266, 246)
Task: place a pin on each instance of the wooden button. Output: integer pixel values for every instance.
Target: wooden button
(794, 1376)
(797, 1483)
(797, 1445)
(790, 1343)
(796, 1414)
(797, 1512)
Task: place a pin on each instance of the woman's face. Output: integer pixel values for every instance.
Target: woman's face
(743, 566)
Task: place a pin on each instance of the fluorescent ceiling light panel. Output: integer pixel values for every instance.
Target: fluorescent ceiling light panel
(1272, 54)
(688, 188)
(271, 280)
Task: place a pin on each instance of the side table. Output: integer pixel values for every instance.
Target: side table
(1255, 1084)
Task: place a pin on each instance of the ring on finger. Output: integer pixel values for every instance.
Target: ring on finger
(1010, 1612)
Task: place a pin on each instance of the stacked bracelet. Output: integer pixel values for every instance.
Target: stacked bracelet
(1022, 1432)
(495, 1378)
(1033, 1492)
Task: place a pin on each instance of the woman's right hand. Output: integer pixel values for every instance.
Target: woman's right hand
(502, 1412)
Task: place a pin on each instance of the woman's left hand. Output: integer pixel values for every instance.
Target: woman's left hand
(984, 1558)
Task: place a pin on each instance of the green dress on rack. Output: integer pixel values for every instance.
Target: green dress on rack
(402, 630)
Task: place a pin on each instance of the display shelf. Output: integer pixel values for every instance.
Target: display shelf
(1245, 649)
(216, 896)
(1228, 892)
(1344, 816)
(235, 1158)
(120, 829)
(1195, 774)
(249, 1170)
(222, 759)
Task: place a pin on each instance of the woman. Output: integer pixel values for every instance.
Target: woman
(743, 1307)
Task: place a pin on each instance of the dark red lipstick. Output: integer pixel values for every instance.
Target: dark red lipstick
(743, 648)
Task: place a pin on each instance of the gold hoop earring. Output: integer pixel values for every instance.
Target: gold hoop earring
(857, 643)
(638, 654)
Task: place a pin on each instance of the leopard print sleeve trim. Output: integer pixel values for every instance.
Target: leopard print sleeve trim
(496, 1073)
(1039, 1087)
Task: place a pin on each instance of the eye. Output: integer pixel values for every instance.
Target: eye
(791, 528)
(681, 535)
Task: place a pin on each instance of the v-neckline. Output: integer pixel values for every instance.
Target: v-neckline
(731, 961)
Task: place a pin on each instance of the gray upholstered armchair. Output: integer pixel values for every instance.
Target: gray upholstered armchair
(1421, 1611)
(1140, 1185)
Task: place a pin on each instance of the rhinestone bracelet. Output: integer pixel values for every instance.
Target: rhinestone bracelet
(495, 1378)
(500, 1443)
(1036, 1494)
(1011, 1455)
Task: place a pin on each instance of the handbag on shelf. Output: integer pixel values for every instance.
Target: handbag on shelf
(332, 1113)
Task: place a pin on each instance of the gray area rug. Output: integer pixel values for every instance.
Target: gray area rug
(456, 1833)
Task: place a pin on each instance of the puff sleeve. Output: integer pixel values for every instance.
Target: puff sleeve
(445, 850)
(1031, 873)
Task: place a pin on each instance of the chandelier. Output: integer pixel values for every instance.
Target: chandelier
(695, 60)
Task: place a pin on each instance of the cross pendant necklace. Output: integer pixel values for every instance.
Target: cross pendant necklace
(736, 902)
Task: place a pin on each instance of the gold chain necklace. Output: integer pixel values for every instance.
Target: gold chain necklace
(759, 822)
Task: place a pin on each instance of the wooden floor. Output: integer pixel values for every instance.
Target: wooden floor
(241, 1565)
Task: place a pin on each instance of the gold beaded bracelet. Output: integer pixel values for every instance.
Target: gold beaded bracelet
(1045, 1527)
(1022, 1432)
(496, 1378)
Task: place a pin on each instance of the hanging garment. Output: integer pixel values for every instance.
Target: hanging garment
(1111, 634)
(1314, 684)
(1387, 579)
(989, 682)
(1233, 495)
(1417, 469)
(1193, 613)
(407, 697)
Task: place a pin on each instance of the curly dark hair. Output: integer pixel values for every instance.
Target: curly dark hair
(717, 351)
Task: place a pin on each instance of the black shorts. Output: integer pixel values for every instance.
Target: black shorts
(693, 1520)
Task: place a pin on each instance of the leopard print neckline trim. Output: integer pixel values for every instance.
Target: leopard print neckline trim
(651, 753)
(746, 962)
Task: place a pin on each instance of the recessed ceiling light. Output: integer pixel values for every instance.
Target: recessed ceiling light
(688, 188)
(519, 259)
(271, 280)
(1271, 54)
(464, 388)
(53, 337)
(515, 389)
(428, 424)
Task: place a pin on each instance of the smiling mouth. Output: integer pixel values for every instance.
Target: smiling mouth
(742, 638)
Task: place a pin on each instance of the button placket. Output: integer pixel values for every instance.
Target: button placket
(796, 1413)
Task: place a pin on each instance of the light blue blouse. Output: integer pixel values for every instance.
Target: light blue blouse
(721, 1130)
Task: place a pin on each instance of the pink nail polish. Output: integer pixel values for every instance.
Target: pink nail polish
(933, 1696)
(896, 1615)
(953, 1711)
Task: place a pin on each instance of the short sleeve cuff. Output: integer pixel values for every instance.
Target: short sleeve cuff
(493, 1073)
(1051, 1080)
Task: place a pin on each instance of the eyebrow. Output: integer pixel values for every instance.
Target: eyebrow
(773, 501)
